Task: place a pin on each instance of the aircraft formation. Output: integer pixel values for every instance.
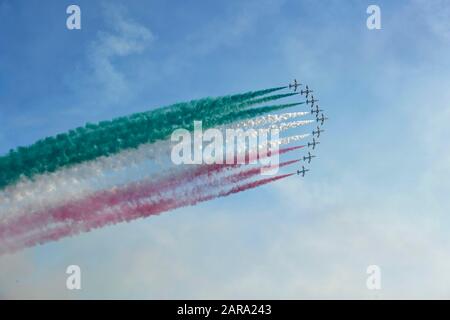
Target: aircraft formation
(320, 119)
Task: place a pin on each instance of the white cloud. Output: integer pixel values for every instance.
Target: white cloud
(105, 82)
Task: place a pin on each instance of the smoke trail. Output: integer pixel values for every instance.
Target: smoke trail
(77, 210)
(289, 125)
(109, 137)
(76, 182)
(36, 191)
(268, 119)
(67, 164)
(136, 137)
(249, 95)
(139, 209)
(291, 139)
(131, 211)
(93, 168)
(246, 114)
(249, 103)
(252, 172)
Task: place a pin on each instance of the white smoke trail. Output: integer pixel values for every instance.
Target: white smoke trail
(268, 119)
(289, 125)
(77, 181)
(291, 139)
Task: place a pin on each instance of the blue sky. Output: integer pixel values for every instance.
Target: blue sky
(377, 194)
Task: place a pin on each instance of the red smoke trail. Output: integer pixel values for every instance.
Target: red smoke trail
(254, 184)
(252, 172)
(131, 211)
(79, 210)
(128, 213)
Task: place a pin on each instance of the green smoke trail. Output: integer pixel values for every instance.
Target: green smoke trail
(266, 99)
(110, 137)
(248, 103)
(246, 96)
(202, 105)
